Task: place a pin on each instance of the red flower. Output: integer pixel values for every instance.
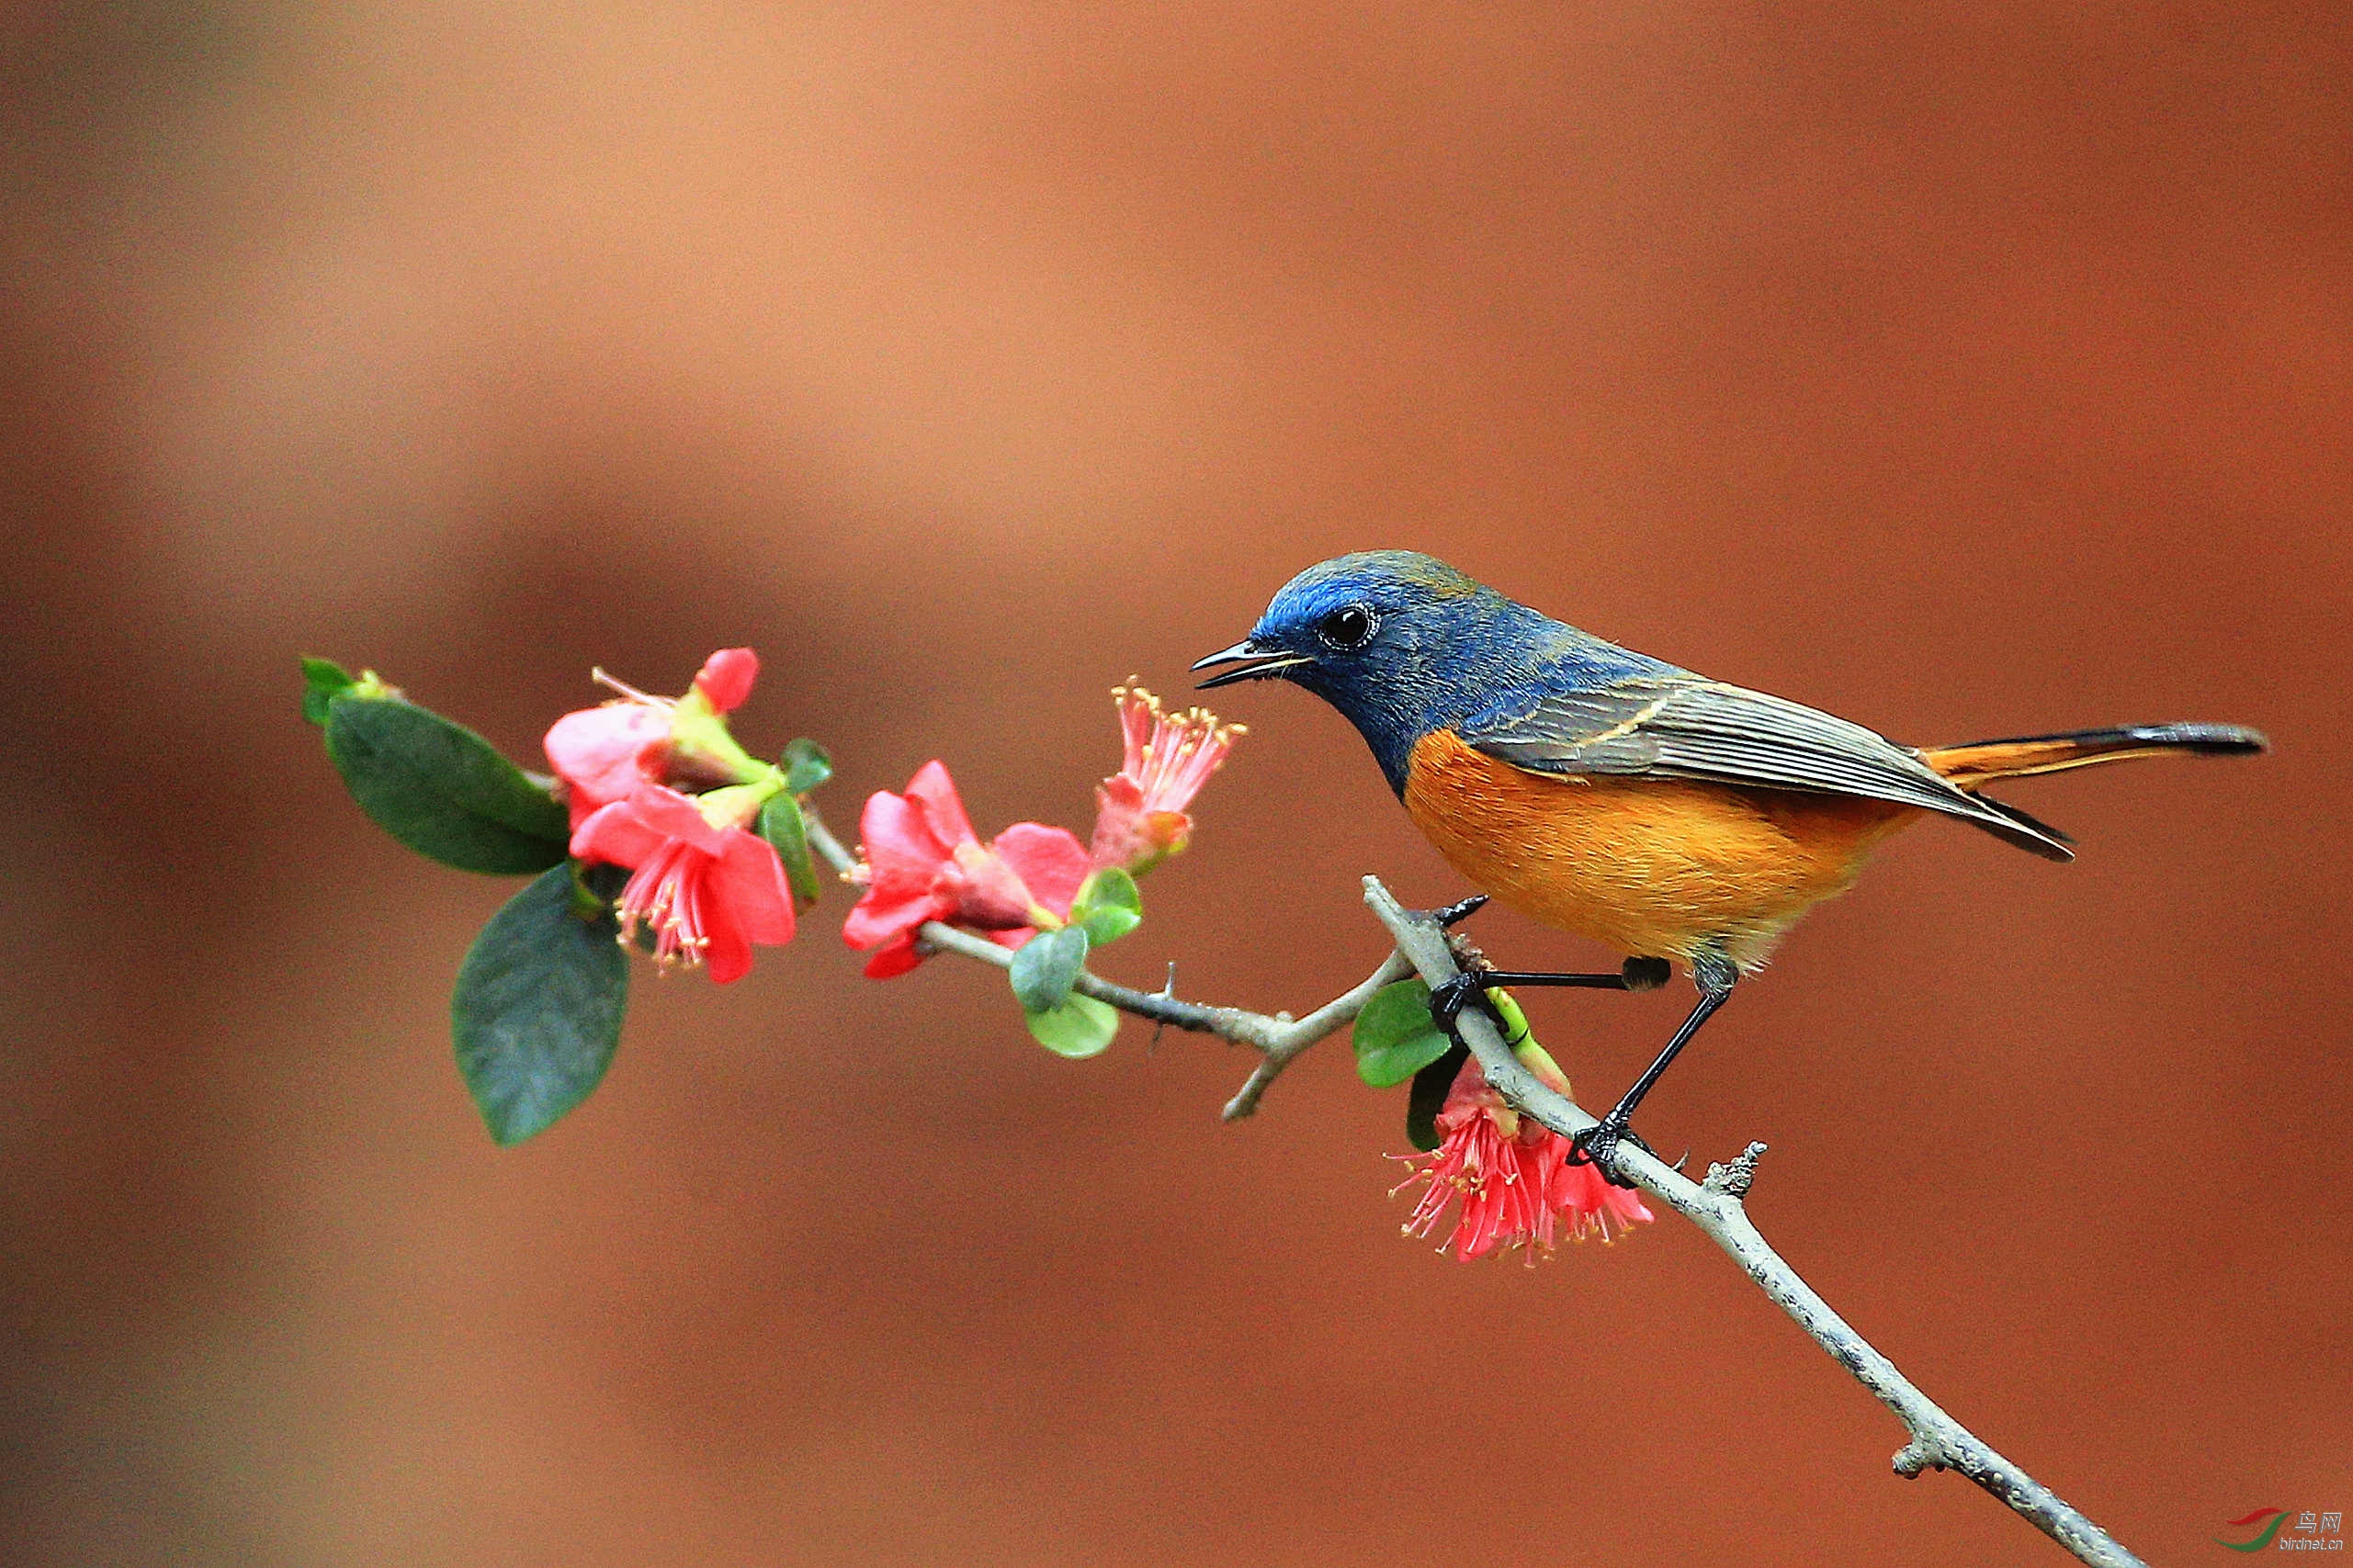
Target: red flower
(603, 754)
(1140, 811)
(708, 888)
(1512, 1173)
(925, 862)
(725, 680)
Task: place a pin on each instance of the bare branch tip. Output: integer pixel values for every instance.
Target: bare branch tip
(1735, 1180)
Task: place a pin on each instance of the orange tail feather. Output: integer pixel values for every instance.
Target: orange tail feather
(1980, 762)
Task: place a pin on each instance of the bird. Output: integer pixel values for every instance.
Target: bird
(1622, 799)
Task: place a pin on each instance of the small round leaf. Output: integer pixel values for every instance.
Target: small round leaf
(1080, 1028)
(1108, 905)
(1046, 966)
(1395, 1036)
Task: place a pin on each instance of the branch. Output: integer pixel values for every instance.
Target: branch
(1715, 1206)
(1937, 1440)
(1280, 1038)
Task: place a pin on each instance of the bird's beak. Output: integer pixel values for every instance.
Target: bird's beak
(1268, 663)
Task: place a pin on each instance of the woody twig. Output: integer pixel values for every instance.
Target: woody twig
(1717, 1206)
(1279, 1038)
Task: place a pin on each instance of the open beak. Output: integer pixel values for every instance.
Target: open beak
(1257, 663)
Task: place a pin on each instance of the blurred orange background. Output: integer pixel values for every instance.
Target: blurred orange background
(1966, 370)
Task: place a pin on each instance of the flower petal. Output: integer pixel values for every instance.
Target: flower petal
(613, 834)
(726, 954)
(726, 677)
(749, 884)
(1050, 859)
(902, 851)
(601, 754)
(896, 959)
(1119, 823)
(937, 792)
(875, 919)
(674, 816)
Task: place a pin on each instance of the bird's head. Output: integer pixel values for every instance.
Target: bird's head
(1397, 641)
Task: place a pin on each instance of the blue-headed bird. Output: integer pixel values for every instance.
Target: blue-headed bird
(1619, 797)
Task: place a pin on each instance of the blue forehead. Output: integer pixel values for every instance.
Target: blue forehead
(1386, 580)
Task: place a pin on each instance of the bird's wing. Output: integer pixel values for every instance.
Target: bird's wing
(1680, 726)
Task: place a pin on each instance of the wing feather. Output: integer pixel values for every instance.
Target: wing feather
(1686, 727)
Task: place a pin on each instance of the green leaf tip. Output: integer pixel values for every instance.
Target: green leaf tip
(440, 788)
(322, 681)
(1395, 1036)
(782, 824)
(1080, 1027)
(1046, 966)
(1108, 905)
(537, 1011)
(805, 766)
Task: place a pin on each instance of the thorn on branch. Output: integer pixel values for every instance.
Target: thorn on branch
(1166, 993)
(1455, 914)
(1734, 1180)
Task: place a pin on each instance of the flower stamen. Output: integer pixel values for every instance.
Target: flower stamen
(631, 692)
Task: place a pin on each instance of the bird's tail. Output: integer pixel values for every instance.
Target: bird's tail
(1981, 762)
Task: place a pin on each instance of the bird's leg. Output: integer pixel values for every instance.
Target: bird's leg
(1478, 976)
(1448, 1001)
(1715, 974)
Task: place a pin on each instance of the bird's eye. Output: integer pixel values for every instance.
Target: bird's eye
(1348, 627)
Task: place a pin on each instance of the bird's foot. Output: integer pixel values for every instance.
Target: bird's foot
(1598, 1146)
(1448, 1001)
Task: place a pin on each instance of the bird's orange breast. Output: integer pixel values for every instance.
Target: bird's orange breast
(1654, 867)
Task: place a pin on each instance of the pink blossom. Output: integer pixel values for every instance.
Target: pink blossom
(708, 889)
(925, 862)
(1513, 1174)
(1140, 811)
(603, 754)
(726, 677)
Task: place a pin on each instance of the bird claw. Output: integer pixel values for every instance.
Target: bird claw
(1448, 999)
(1598, 1146)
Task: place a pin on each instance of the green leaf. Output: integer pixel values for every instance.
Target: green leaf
(1080, 1028)
(1046, 966)
(1394, 1035)
(441, 789)
(1429, 1097)
(321, 680)
(805, 766)
(538, 1009)
(781, 824)
(1108, 905)
(596, 886)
